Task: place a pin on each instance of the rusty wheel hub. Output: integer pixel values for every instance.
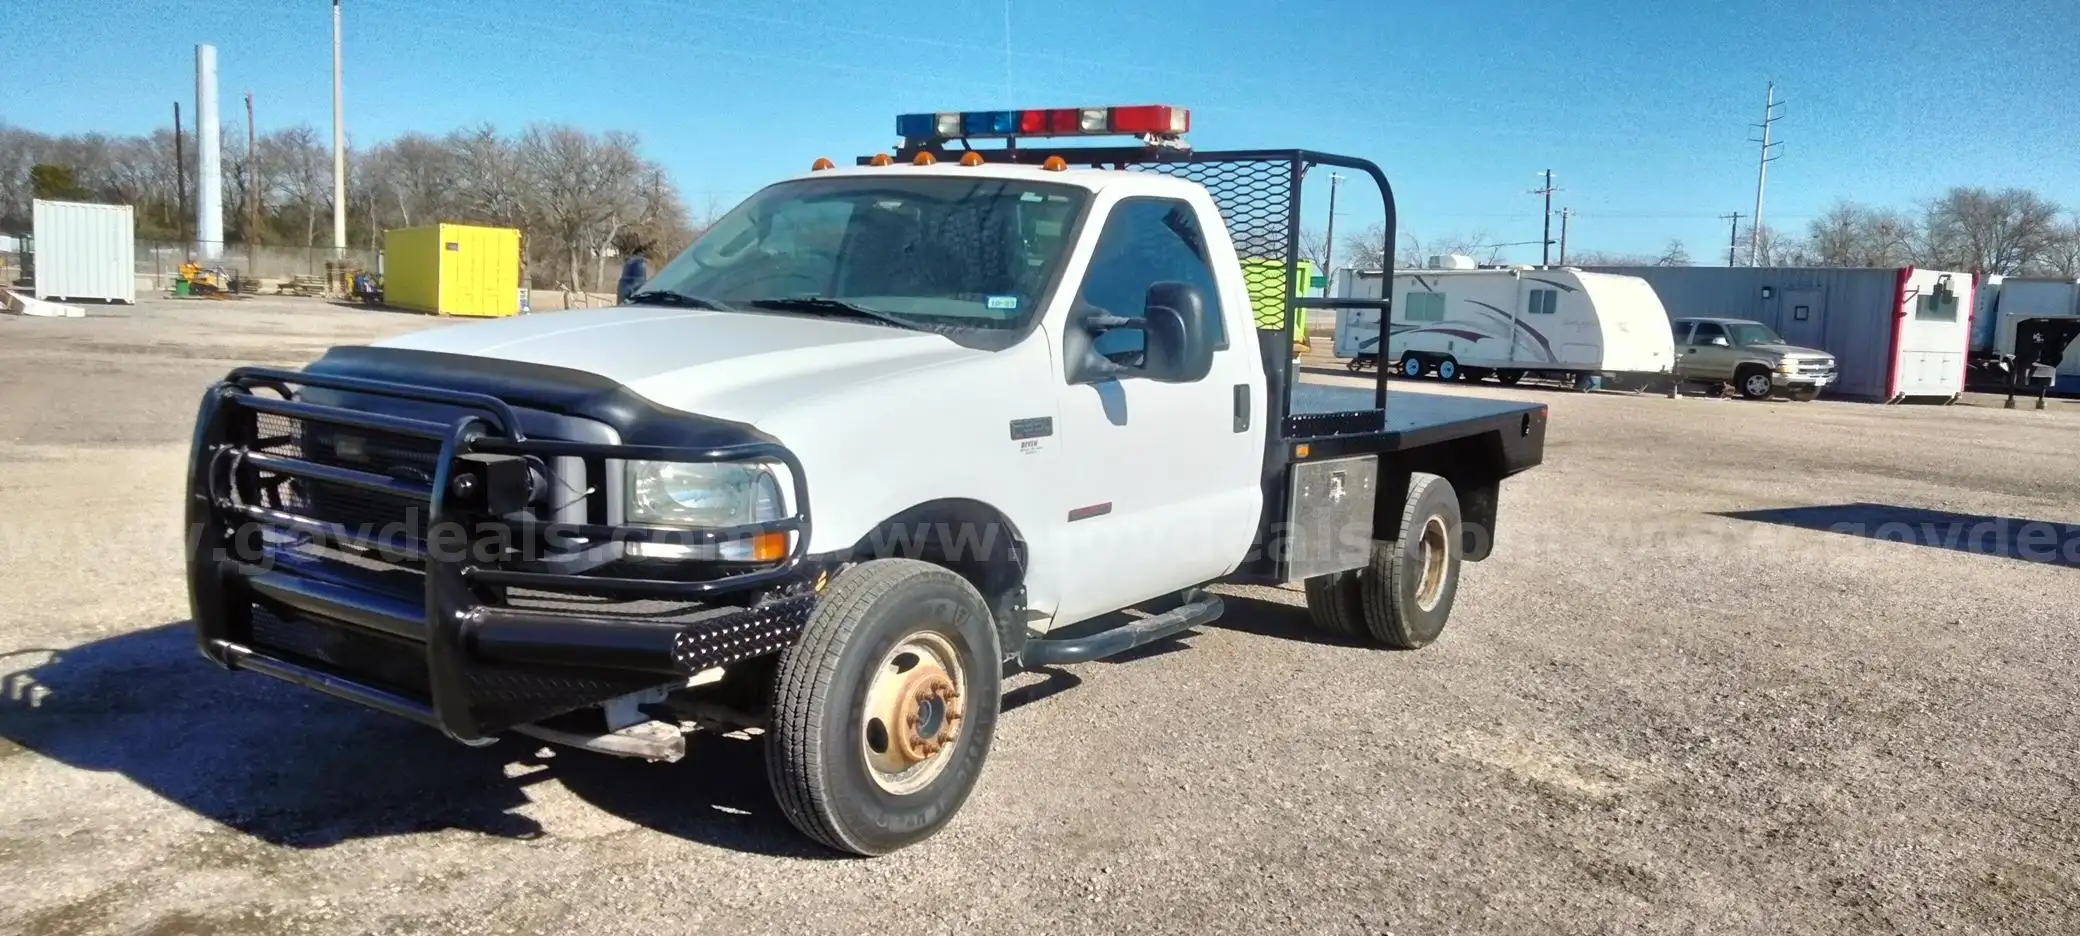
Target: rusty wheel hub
(913, 712)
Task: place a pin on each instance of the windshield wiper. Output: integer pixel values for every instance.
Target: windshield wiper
(827, 306)
(675, 298)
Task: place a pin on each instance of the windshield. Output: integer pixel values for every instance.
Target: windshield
(1752, 334)
(973, 259)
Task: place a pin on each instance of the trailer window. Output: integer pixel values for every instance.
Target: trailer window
(1147, 241)
(1423, 307)
(1542, 301)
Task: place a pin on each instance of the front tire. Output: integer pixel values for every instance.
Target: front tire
(1753, 384)
(884, 710)
(1448, 369)
(1412, 366)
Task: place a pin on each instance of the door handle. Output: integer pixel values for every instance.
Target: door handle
(1242, 407)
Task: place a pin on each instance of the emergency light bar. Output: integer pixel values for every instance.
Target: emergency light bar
(1151, 119)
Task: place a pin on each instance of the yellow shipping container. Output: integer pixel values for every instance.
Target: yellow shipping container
(452, 269)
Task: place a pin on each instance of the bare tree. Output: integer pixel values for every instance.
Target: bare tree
(2003, 231)
(1314, 248)
(586, 190)
(492, 185)
(1774, 249)
(1674, 254)
(20, 151)
(2062, 255)
(1414, 251)
(1853, 235)
(1365, 249)
(298, 174)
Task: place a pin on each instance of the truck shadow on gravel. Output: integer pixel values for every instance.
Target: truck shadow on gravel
(301, 770)
(2039, 541)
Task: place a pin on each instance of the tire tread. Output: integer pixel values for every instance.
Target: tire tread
(1380, 587)
(794, 743)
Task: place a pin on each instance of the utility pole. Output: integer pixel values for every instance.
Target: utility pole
(1545, 248)
(252, 190)
(180, 180)
(339, 147)
(1564, 214)
(1733, 236)
(1769, 116)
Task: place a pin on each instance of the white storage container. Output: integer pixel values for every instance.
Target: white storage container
(85, 251)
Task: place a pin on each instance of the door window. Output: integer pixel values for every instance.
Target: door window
(1148, 241)
(1680, 331)
(1706, 331)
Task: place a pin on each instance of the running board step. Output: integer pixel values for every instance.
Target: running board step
(1120, 639)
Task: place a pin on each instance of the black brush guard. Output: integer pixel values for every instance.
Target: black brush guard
(456, 656)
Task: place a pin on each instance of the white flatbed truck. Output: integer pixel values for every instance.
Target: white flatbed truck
(1035, 411)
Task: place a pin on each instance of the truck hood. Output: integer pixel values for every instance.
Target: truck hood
(1791, 350)
(733, 365)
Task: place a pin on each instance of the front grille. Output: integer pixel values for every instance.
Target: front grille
(399, 456)
(362, 655)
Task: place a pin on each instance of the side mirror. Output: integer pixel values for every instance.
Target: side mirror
(1180, 348)
(1176, 343)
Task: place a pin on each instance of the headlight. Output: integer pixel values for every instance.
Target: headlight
(1787, 366)
(707, 494)
(702, 494)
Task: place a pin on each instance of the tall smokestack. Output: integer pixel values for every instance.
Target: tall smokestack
(339, 148)
(209, 169)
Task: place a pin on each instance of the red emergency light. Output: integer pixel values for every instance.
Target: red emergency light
(1146, 119)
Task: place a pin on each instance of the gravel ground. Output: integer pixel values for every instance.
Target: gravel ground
(1675, 700)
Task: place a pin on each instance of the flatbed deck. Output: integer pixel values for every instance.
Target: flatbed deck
(1415, 418)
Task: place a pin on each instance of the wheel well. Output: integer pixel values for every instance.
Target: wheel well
(1747, 366)
(1473, 467)
(972, 539)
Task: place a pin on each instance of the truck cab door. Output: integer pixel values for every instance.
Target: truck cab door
(1710, 353)
(1162, 488)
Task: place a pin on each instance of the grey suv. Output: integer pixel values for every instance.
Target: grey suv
(1748, 356)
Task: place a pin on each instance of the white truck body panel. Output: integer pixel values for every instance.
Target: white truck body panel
(884, 419)
(1528, 319)
(2020, 298)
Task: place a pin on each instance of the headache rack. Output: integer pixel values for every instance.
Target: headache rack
(392, 560)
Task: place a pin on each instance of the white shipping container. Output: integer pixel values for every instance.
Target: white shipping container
(85, 251)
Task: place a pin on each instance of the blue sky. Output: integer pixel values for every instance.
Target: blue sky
(1641, 109)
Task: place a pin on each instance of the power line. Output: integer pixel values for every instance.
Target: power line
(1769, 117)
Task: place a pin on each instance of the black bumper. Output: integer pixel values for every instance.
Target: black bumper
(459, 624)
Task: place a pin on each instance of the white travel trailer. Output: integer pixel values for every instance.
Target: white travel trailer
(1509, 323)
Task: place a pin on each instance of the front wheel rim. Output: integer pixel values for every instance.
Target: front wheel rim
(915, 706)
(1447, 370)
(1758, 385)
(1412, 367)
